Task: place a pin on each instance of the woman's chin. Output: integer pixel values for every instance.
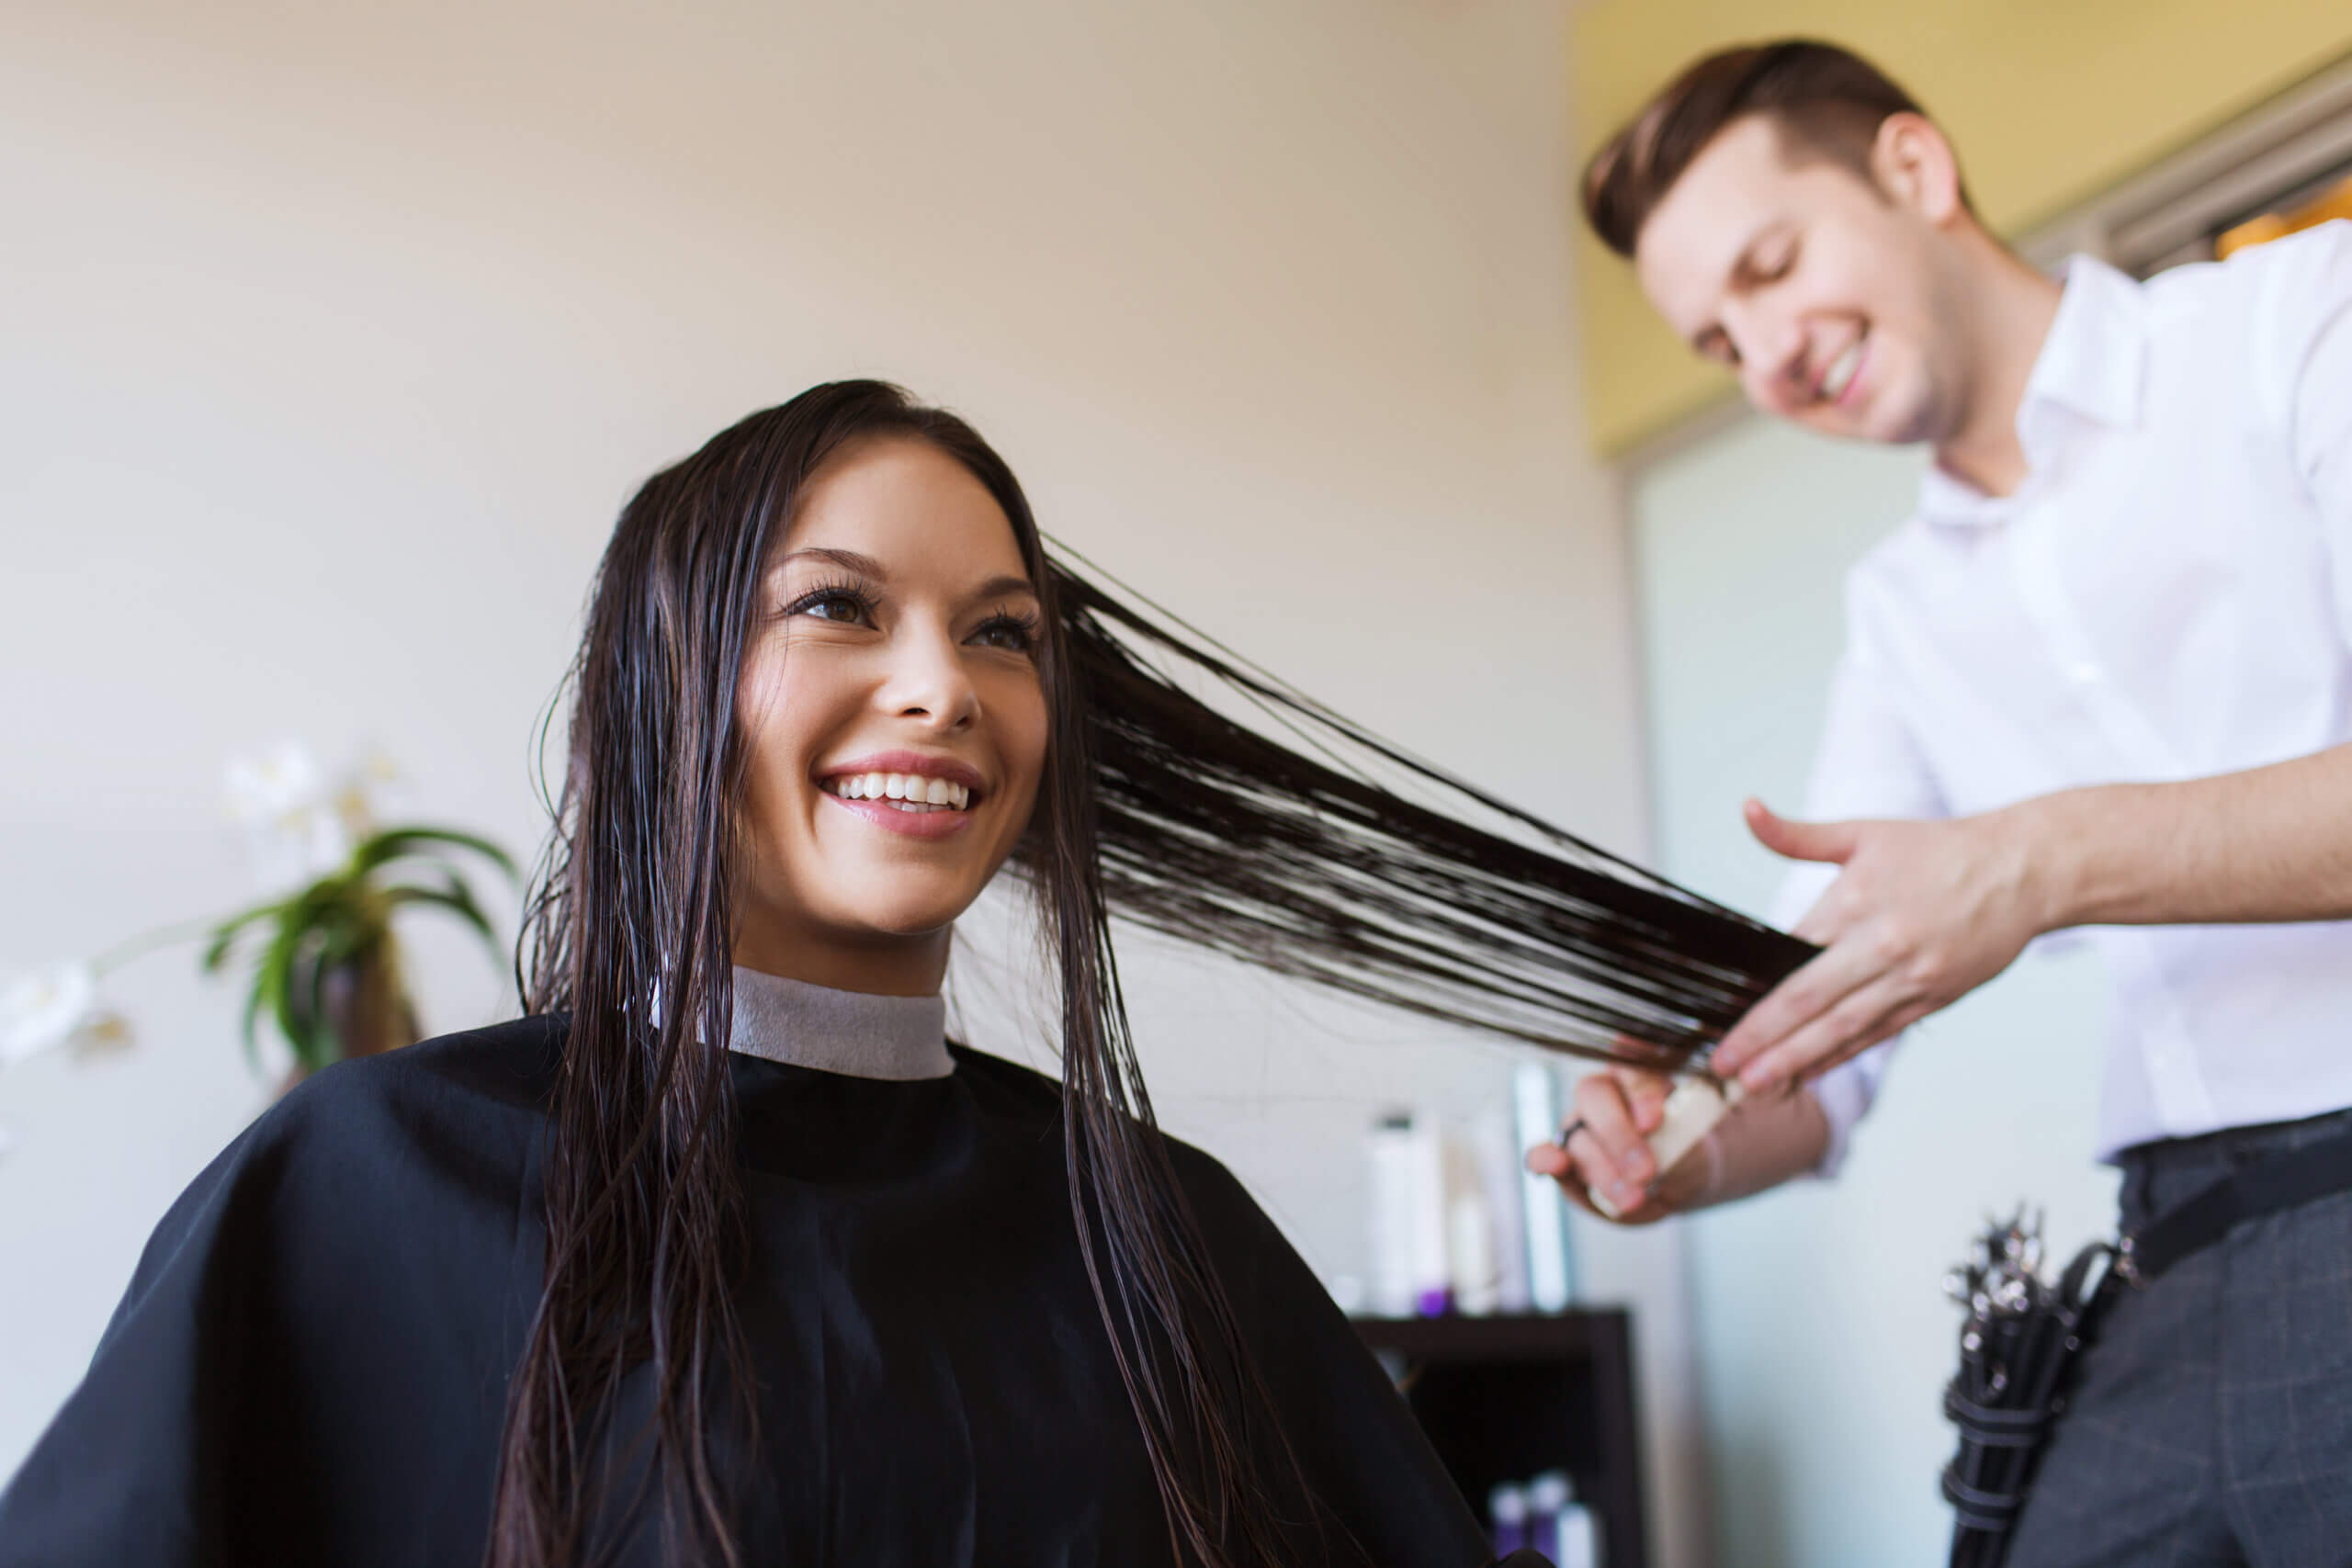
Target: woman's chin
(912, 917)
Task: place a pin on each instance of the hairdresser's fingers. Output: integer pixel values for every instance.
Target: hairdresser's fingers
(1611, 1155)
(1568, 1170)
(1549, 1159)
(1613, 1113)
(1610, 1144)
(1831, 842)
(1871, 1013)
(1555, 1160)
(1797, 1002)
(1645, 1095)
(1653, 1205)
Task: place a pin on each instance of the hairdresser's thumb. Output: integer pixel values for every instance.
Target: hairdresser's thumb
(1801, 840)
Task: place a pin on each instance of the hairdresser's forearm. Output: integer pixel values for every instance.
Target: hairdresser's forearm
(2271, 843)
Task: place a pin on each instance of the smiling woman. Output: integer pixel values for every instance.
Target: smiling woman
(724, 1254)
(893, 718)
(854, 596)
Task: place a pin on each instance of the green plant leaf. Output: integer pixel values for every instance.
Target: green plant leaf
(419, 864)
(336, 919)
(352, 935)
(458, 900)
(274, 977)
(394, 842)
(248, 1030)
(355, 922)
(282, 1003)
(270, 981)
(225, 934)
(321, 1035)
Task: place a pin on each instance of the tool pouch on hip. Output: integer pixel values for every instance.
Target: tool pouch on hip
(2023, 1336)
(2018, 1353)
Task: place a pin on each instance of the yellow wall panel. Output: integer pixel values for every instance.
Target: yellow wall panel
(2050, 102)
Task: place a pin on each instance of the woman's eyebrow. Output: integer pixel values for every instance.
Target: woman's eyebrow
(1000, 587)
(866, 565)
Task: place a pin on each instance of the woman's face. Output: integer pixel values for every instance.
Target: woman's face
(894, 720)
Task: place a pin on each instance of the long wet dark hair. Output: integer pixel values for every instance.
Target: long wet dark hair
(1153, 803)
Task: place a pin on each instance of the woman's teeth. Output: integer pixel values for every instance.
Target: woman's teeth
(908, 792)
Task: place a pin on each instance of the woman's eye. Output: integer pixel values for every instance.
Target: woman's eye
(1007, 633)
(832, 605)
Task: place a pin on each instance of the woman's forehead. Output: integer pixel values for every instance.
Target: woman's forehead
(909, 507)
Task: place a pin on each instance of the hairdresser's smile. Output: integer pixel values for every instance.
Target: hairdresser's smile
(1842, 375)
(893, 720)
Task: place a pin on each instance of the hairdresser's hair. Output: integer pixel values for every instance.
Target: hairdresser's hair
(1827, 104)
(628, 933)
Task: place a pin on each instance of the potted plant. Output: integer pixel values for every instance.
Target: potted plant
(327, 967)
(324, 962)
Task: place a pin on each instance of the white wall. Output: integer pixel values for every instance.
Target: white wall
(335, 336)
(1823, 1335)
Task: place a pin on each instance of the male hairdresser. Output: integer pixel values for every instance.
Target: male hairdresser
(2102, 677)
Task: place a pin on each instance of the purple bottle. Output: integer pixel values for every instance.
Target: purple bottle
(1507, 1518)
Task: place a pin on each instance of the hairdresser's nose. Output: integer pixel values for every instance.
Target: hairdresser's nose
(928, 680)
(1771, 345)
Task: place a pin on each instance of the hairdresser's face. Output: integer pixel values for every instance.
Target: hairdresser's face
(1829, 295)
(894, 717)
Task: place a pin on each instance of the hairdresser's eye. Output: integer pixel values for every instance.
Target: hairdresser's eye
(836, 601)
(1015, 634)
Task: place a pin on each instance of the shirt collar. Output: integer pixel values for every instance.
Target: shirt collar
(2088, 374)
(849, 1033)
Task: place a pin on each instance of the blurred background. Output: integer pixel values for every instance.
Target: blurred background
(332, 338)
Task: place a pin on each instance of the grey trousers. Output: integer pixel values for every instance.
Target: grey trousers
(2212, 1421)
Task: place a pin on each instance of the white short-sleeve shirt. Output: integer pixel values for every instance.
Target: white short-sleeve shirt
(2168, 596)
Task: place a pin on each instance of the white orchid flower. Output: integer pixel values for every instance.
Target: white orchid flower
(45, 1009)
(266, 786)
(303, 823)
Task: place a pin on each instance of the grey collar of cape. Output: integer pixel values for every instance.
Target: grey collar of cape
(850, 1032)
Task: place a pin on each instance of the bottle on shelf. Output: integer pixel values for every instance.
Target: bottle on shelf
(1410, 1275)
(1456, 1223)
(1559, 1527)
(1507, 1518)
(1535, 1096)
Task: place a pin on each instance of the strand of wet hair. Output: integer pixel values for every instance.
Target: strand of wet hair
(1221, 836)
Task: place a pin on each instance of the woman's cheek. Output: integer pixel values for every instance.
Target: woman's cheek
(1032, 742)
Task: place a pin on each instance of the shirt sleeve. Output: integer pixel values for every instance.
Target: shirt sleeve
(1867, 766)
(2305, 335)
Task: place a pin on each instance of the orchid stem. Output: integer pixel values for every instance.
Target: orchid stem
(146, 942)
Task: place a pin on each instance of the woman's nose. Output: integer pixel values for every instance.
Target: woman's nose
(928, 680)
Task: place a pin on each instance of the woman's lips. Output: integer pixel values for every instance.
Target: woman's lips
(913, 794)
(937, 822)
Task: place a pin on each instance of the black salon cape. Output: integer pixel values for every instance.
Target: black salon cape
(311, 1364)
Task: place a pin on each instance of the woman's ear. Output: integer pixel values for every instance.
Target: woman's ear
(1913, 164)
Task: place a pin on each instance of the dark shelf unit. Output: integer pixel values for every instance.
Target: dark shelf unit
(1502, 1398)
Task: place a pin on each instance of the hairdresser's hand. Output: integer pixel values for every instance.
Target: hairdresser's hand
(1922, 914)
(1618, 1107)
